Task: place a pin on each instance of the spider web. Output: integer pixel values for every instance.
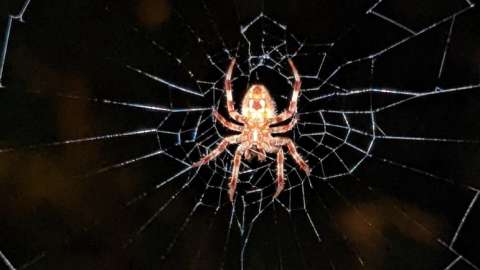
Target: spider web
(382, 123)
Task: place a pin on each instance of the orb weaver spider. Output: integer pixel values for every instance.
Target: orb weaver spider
(255, 139)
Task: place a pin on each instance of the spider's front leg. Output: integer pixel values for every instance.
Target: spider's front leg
(228, 89)
(217, 151)
(292, 107)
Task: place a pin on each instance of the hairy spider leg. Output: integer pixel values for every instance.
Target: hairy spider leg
(226, 123)
(218, 150)
(281, 141)
(232, 185)
(228, 89)
(284, 128)
(280, 173)
(292, 107)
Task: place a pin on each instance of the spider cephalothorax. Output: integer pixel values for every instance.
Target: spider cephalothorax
(255, 139)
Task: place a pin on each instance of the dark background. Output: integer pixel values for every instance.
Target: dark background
(382, 217)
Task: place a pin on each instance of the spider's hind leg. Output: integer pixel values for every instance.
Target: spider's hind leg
(292, 150)
(280, 173)
(232, 185)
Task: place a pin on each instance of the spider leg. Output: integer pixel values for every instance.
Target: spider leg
(284, 128)
(228, 89)
(226, 123)
(218, 150)
(280, 173)
(232, 185)
(292, 107)
(280, 141)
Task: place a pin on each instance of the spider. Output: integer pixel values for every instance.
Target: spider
(255, 138)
